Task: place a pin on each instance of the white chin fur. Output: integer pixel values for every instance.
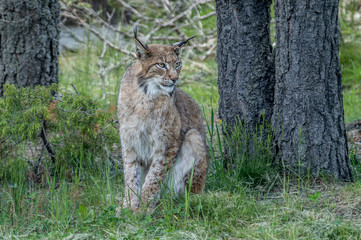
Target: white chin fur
(154, 88)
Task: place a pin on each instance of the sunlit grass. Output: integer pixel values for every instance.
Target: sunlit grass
(350, 59)
(352, 105)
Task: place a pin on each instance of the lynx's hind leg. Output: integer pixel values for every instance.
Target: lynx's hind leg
(193, 155)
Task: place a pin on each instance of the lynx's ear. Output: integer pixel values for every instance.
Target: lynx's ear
(142, 48)
(179, 45)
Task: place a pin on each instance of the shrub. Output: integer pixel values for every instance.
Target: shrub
(67, 129)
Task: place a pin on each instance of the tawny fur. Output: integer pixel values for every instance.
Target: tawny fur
(161, 129)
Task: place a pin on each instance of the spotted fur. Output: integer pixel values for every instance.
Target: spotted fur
(161, 128)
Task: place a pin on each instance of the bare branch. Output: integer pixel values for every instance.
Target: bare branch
(211, 14)
(46, 143)
(134, 11)
(98, 35)
(77, 93)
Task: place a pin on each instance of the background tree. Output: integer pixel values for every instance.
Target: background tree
(245, 79)
(308, 112)
(29, 35)
(244, 58)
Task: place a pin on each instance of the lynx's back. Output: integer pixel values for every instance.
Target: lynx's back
(161, 127)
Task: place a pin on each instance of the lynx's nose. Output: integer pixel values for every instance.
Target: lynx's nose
(173, 78)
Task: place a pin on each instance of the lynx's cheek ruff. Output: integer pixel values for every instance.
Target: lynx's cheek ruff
(158, 86)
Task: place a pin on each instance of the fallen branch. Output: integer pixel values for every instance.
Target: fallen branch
(46, 143)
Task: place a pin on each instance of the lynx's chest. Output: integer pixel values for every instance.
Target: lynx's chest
(144, 138)
(147, 128)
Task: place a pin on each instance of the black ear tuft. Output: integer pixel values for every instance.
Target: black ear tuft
(142, 48)
(178, 45)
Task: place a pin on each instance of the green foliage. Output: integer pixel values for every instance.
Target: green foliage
(22, 111)
(241, 156)
(71, 124)
(250, 150)
(83, 129)
(348, 20)
(315, 197)
(352, 105)
(350, 59)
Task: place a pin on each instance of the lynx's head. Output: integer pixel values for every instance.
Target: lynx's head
(160, 66)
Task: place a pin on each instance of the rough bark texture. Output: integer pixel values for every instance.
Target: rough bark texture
(245, 63)
(29, 42)
(308, 114)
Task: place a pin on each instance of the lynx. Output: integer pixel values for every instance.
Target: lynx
(161, 128)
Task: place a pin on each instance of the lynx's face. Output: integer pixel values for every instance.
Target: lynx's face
(160, 70)
(160, 67)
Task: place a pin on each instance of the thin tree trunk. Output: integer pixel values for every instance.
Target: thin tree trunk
(308, 115)
(29, 35)
(245, 63)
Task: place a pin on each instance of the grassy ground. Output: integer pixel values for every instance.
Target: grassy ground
(82, 211)
(252, 201)
(350, 58)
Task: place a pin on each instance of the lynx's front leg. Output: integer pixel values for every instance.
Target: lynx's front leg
(132, 175)
(157, 172)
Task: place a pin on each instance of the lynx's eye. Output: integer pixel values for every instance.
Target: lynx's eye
(161, 65)
(178, 65)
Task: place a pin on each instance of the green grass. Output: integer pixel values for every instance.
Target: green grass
(350, 59)
(85, 209)
(352, 105)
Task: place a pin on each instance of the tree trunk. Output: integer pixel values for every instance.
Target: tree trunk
(245, 63)
(29, 35)
(308, 114)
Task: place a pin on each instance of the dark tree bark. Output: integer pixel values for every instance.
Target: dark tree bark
(245, 63)
(308, 114)
(29, 35)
